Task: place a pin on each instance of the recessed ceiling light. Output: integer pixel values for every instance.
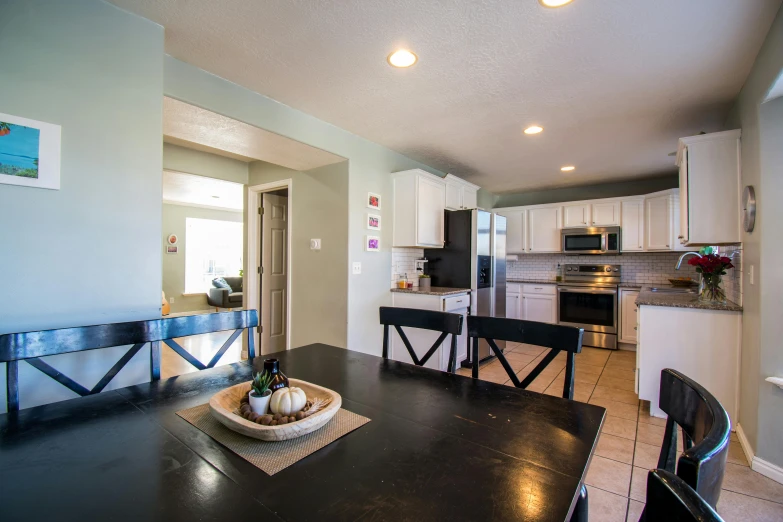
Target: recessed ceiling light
(567, 168)
(533, 129)
(402, 58)
(216, 197)
(554, 3)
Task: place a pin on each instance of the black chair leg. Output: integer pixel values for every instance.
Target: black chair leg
(475, 358)
(580, 510)
(453, 354)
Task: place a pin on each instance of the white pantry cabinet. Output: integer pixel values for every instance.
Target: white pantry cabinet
(419, 205)
(628, 316)
(605, 214)
(544, 224)
(710, 204)
(460, 195)
(576, 215)
(632, 225)
(515, 231)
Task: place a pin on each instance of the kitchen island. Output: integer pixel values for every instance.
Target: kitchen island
(701, 340)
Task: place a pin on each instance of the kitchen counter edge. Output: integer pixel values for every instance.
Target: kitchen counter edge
(435, 290)
(650, 298)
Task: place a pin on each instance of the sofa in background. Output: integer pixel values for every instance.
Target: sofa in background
(224, 297)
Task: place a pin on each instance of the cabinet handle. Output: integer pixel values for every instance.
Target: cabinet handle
(635, 328)
(634, 311)
(679, 237)
(667, 246)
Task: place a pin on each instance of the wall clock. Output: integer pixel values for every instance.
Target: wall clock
(748, 208)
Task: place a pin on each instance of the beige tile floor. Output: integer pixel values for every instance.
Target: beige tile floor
(202, 347)
(631, 439)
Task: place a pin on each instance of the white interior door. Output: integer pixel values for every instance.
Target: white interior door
(274, 294)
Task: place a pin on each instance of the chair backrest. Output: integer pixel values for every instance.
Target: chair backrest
(706, 429)
(442, 322)
(31, 346)
(671, 499)
(558, 338)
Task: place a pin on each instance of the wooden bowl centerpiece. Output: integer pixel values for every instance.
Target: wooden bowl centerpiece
(225, 404)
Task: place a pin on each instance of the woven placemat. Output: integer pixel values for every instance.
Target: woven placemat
(272, 457)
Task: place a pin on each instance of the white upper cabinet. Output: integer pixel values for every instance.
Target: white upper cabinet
(605, 214)
(419, 206)
(658, 223)
(544, 224)
(632, 225)
(460, 195)
(710, 188)
(515, 231)
(576, 215)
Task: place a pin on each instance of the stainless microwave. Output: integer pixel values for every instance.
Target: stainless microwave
(591, 240)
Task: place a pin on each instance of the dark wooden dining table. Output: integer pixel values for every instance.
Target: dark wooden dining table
(439, 447)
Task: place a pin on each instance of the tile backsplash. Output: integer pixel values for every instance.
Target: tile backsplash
(403, 264)
(644, 268)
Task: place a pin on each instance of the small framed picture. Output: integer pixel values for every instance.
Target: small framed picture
(373, 222)
(172, 249)
(373, 201)
(29, 152)
(172, 239)
(372, 243)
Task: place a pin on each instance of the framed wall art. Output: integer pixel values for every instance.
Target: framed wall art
(373, 201)
(372, 243)
(373, 222)
(29, 152)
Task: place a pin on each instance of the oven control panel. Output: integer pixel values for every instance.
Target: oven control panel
(586, 270)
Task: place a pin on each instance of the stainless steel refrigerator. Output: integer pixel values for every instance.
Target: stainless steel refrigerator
(473, 256)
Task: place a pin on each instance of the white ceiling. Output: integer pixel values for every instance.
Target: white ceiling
(191, 126)
(614, 83)
(189, 189)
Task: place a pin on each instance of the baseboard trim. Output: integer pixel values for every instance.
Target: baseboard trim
(767, 469)
(747, 449)
(758, 465)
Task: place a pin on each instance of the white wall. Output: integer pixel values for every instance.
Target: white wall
(369, 167)
(745, 115)
(89, 252)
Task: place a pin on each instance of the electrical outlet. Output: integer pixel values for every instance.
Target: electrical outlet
(315, 244)
(357, 268)
(171, 300)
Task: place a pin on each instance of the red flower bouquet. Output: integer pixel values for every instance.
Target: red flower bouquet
(712, 268)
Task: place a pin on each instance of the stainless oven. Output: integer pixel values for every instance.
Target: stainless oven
(590, 240)
(587, 298)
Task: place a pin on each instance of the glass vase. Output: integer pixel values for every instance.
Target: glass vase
(711, 289)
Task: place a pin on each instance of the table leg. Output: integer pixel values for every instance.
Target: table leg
(580, 511)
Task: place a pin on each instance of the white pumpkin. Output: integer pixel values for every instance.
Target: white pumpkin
(287, 401)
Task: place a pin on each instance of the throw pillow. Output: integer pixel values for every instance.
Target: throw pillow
(219, 282)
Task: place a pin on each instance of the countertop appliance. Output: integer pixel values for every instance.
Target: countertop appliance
(587, 298)
(473, 256)
(591, 240)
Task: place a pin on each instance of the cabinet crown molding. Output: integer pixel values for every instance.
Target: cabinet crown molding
(454, 179)
(734, 134)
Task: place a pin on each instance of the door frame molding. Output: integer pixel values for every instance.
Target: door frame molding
(253, 299)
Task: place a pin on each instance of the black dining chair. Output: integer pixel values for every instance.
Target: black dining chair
(705, 432)
(558, 338)
(671, 499)
(443, 322)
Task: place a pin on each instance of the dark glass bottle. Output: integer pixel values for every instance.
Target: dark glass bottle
(279, 380)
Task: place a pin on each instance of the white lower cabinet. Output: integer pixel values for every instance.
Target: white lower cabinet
(539, 303)
(513, 304)
(628, 316)
(422, 340)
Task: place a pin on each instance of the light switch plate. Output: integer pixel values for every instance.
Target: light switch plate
(357, 268)
(315, 244)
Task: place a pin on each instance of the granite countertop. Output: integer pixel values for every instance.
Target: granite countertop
(533, 281)
(650, 298)
(633, 286)
(434, 290)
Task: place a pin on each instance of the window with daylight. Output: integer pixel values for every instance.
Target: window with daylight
(212, 249)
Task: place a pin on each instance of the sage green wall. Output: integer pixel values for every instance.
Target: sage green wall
(486, 199)
(174, 217)
(369, 169)
(88, 253)
(603, 190)
(319, 293)
(760, 401)
(183, 159)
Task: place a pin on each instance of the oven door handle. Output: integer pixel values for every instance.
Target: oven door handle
(585, 291)
(603, 242)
